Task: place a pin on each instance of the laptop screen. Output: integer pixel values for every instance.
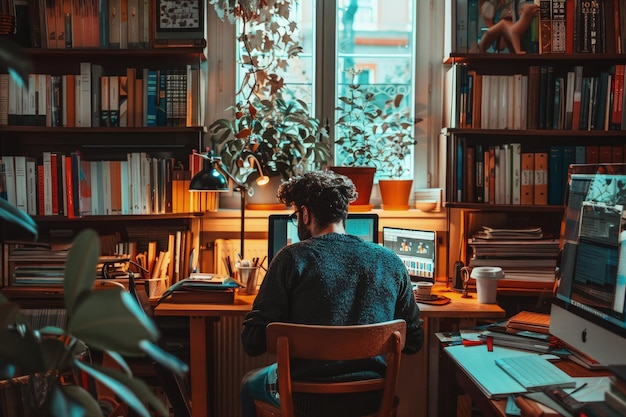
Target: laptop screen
(416, 248)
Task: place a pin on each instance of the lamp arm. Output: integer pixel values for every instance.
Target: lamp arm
(217, 163)
(243, 187)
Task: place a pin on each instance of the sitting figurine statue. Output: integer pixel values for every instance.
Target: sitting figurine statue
(506, 33)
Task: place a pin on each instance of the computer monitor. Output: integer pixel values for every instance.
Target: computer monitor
(281, 231)
(416, 248)
(588, 313)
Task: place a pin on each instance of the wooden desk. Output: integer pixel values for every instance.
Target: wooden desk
(416, 376)
(201, 319)
(465, 392)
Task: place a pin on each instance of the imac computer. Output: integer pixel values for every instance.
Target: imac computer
(588, 312)
(282, 232)
(416, 248)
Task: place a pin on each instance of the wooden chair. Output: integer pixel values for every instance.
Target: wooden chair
(287, 340)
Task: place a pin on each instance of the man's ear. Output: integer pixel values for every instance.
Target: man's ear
(304, 213)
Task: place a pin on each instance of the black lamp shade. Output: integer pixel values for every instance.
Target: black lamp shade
(209, 179)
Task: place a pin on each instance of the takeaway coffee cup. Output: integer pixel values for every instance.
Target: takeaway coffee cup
(486, 281)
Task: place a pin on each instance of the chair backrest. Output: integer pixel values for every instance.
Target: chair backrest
(288, 340)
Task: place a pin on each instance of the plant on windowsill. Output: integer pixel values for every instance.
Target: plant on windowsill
(269, 121)
(111, 321)
(376, 131)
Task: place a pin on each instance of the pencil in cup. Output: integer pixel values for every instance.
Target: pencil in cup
(248, 277)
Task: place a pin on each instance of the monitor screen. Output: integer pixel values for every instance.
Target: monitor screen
(281, 231)
(588, 313)
(416, 248)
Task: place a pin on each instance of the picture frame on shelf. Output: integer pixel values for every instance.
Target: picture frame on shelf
(179, 23)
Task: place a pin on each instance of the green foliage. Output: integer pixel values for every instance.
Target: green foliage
(375, 134)
(108, 320)
(268, 121)
(278, 131)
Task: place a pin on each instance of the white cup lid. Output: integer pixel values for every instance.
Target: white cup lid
(487, 272)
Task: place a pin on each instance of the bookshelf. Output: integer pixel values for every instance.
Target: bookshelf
(513, 122)
(158, 121)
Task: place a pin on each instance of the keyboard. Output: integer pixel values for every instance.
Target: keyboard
(534, 372)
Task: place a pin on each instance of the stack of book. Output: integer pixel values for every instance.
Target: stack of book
(525, 330)
(202, 288)
(615, 397)
(526, 256)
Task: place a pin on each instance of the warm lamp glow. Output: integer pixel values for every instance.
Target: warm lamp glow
(214, 178)
(263, 179)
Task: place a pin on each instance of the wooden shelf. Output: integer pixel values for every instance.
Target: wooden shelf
(506, 207)
(530, 59)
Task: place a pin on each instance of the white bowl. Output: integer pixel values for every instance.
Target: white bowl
(426, 205)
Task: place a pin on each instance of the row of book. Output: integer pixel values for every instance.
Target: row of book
(544, 98)
(509, 174)
(138, 98)
(163, 255)
(615, 397)
(56, 24)
(543, 26)
(68, 185)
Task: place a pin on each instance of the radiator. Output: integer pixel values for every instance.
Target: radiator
(231, 362)
(254, 248)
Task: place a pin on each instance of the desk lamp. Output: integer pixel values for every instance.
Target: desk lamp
(214, 178)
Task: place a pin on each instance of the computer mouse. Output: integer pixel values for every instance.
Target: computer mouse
(551, 357)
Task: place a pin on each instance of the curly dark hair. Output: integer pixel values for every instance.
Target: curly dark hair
(324, 193)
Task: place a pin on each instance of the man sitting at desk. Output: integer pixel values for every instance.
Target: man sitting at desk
(328, 278)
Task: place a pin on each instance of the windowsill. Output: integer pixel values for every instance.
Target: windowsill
(256, 220)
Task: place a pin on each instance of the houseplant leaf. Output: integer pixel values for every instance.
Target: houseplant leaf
(73, 401)
(80, 269)
(128, 389)
(169, 361)
(12, 214)
(102, 316)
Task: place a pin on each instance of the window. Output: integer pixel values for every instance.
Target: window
(393, 45)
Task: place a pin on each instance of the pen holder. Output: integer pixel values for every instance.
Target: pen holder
(248, 277)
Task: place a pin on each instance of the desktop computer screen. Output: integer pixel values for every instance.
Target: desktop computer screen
(281, 231)
(416, 248)
(588, 312)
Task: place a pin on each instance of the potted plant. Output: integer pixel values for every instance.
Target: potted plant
(278, 131)
(110, 321)
(269, 121)
(375, 130)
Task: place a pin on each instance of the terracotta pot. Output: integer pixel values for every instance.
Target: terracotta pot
(395, 194)
(363, 179)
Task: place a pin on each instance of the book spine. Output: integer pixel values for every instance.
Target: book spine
(103, 24)
(31, 186)
(545, 27)
(527, 178)
(114, 101)
(105, 119)
(559, 30)
(540, 187)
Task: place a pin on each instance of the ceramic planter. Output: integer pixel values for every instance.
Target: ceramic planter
(395, 194)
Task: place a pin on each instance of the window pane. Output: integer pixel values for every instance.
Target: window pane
(297, 71)
(374, 41)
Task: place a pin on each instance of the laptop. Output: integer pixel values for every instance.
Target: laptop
(416, 248)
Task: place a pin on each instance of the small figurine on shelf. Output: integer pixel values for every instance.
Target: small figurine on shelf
(504, 32)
